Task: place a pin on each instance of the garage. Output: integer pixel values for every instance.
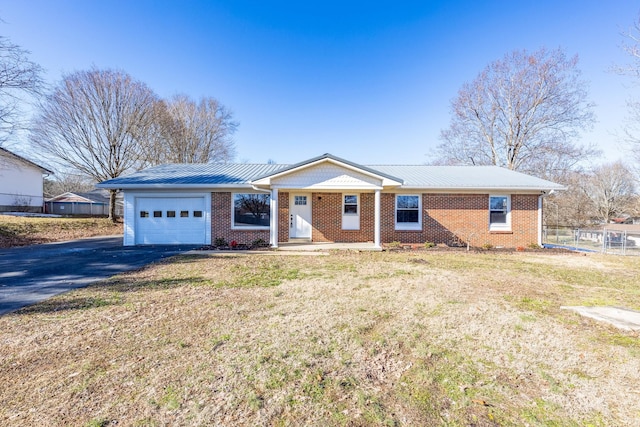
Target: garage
(170, 220)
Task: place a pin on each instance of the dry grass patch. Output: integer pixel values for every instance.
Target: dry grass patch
(22, 231)
(347, 339)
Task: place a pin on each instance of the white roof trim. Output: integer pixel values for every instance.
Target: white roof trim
(386, 182)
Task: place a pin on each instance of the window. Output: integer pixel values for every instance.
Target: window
(350, 206)
(171, 214)
(499, 213)
(184, 214)
(300, 200)
(197, 214)
(157, 214)
(144, 214)
(408, 212)
(253, 210)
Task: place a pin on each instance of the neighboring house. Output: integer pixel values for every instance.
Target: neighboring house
(94, 202)
(21, 183)
(328, 199)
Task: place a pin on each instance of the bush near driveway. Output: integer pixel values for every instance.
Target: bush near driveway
(22, 231)
(402, 338)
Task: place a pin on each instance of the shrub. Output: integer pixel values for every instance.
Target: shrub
(534, 246)
(220, 241)
(258, 243)
(394, 245)
(428, 244)
(487, 246)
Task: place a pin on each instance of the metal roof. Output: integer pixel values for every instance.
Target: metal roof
(414, 176)
(194, 174)
(465, 177)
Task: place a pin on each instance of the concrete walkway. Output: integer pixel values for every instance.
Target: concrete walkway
(294, 248)
(622, 318)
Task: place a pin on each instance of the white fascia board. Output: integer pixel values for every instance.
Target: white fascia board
(170, 187)
(512, 190)
(329, 188)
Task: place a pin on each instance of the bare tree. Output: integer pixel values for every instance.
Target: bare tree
(632, 122)
(19, 76)
(610, 189)
(188, 132)
(522, 112)
(93, 121)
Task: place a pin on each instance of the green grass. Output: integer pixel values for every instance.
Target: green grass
(390, 339)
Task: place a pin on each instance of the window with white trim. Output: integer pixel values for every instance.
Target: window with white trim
(350, 204)
(499, 213)
(251, 210)
(350, 212)
(408, 212)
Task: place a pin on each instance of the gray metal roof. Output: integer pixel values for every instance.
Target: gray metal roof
(194, 174)
(465, 177)
(414, 176)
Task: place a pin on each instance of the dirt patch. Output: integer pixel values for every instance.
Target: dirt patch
(344, 339)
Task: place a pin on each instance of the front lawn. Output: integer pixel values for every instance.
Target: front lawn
(404, 338)
(21, 231)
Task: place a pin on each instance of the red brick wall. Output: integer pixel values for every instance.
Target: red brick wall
(283, 217)
(221, 223)
(326, 219)
(445, 217)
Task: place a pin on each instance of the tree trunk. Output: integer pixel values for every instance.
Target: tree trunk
(112, 205)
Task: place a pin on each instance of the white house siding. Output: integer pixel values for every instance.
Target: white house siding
(326, 177)
(20, 186)
(169, 231)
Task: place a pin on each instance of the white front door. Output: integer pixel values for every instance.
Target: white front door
(300, 216)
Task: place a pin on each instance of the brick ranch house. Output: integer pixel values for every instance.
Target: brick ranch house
(329, 199)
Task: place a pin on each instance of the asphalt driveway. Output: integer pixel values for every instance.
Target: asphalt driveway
(34, 273)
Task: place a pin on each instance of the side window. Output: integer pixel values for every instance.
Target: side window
(144, 214)
(157, 214)
(184, 214)
(350, 205)
(408, 212)
(171, 214)
(300, 200)
(197, 214)
(499, 212)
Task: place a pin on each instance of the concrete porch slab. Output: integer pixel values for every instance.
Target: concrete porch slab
(622, 318)
(307, 246)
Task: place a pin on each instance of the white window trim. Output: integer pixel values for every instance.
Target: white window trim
(246, 227)
(407, 225)
(507, 225)
(357, 204)
(351, 221)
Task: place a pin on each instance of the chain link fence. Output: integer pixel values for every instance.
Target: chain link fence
(609, 241)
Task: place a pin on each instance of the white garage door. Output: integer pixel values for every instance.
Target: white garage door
(170, 220)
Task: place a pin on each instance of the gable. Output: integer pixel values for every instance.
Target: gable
(326, 176)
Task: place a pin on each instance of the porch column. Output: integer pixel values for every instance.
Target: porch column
(273, 226)
(376, 220)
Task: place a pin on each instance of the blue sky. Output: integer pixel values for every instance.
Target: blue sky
(368, 81)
